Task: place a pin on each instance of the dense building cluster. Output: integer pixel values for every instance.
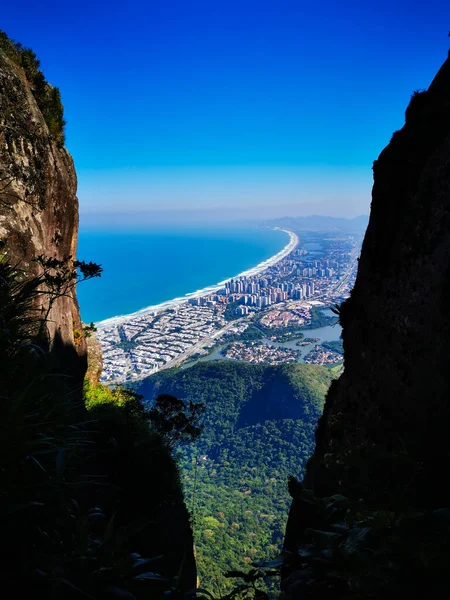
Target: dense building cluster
(280, 297)
(297, 277)
(148, 342)
(297, 314)
(322, 356)
(255, 352)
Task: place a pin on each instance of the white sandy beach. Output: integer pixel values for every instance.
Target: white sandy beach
(293, 242)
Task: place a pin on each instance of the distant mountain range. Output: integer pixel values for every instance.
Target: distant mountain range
(239, 217)
(320, 223)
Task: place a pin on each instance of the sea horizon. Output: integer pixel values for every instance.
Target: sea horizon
(189, 263)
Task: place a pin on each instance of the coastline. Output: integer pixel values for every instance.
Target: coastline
(261, 267)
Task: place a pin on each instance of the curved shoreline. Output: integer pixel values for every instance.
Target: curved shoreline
(273, 260)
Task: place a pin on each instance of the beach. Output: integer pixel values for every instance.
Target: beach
(118, 320)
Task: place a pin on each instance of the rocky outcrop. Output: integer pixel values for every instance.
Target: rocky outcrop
(95, 359)
(38, 203)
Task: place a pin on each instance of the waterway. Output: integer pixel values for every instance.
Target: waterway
(330, 333)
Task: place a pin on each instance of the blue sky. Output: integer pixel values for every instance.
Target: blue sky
(269, 107)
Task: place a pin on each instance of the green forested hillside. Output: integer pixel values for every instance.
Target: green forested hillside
(258, 429)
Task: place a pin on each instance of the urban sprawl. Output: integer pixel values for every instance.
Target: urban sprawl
(279, 299)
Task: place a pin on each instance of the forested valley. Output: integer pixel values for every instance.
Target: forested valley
(258, 429)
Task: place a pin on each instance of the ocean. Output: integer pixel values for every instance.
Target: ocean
(145, 268)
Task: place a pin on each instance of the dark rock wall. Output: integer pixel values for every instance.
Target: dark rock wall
(38, 203)
(384, 432)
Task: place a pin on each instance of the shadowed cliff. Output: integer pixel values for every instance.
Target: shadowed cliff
(383, 435)
(382, 451)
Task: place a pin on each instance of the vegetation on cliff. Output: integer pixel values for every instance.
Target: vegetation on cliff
(337, 547)
(80, 515)
(48, 97)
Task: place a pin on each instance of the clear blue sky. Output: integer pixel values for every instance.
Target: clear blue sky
(255, 105)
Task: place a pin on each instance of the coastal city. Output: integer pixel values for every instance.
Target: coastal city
(246, 318)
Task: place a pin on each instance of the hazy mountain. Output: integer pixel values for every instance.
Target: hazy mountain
(321, 223)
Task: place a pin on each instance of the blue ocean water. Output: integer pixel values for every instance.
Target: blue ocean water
(144, 268)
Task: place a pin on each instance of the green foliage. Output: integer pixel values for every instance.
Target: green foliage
(230, 311)
(318, 319)
(289, 335)
(175, 420)
(18, 324)
(88, 330)
(78, 514)
(349, 550)
(282, 334)
(48, 98)
(97, 395)
(334, 346)
(58, 278)
(251, 334)
(258, 428)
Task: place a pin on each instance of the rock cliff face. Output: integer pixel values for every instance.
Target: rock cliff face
(38, 203)
(95, 359)
(383, 436)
